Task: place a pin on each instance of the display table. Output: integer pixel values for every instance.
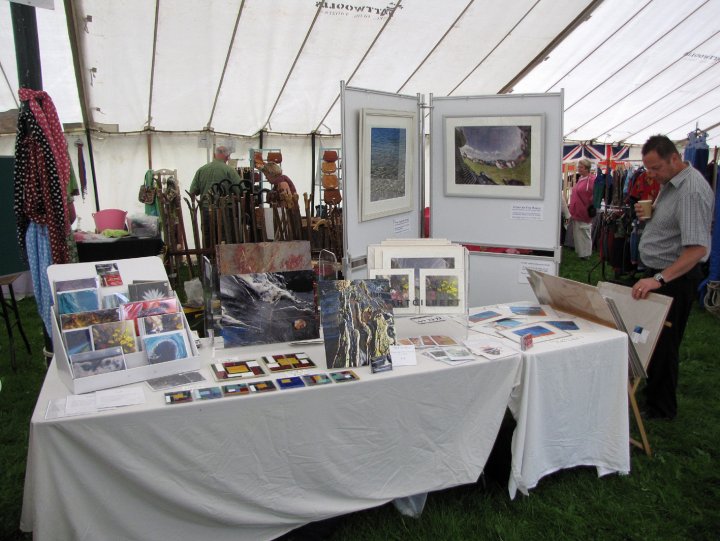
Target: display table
(571, 407)
(122, 248)
(255, 467)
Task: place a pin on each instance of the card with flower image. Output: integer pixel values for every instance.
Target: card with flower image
(116, 333)
(148, 291)
(166, 347)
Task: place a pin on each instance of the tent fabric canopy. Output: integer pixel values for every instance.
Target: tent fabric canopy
(236, 67)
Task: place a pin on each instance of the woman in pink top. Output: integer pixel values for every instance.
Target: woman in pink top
(580, 199)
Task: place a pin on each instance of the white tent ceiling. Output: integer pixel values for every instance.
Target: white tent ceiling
(628, 68)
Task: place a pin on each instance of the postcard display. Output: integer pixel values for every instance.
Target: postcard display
(495, 179)
(101, 339)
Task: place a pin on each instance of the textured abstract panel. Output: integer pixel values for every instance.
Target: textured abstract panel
(358, 323)
(267, 308)
(264, 257)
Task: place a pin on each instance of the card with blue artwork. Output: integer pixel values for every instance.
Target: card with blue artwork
(565, 325)
(539, 332)
(77, 340)
(291, 382)
(165, 347)
(80, 300)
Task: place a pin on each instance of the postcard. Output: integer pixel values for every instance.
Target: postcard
(134, 310)
(288, 361)
(178, 397)
(148, 291)
(106, 268)
(488, 348)
(381, 364)
(113, 300)
(174, 380)
(166, 347)
(161, 323)
(111, 279)
(236, 369)
(92, 363)
(486, 316)
(316, 379)
(343, 376)
(262, 386)
(565, 325)
(291, 382)
(207, 393)
(442, 340)
(78, 283)
(77, 340)
(539, 332)
(85, 319)
(235, 389)
(80, 300)
(116, 333)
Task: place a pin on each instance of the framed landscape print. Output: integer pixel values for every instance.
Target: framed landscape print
(494, 156)
(387, 163)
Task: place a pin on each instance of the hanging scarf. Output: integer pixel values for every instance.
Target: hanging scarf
(81, 170)
(43, 109)
(40, 196)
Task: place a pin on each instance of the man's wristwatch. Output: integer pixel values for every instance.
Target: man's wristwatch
(659, 278)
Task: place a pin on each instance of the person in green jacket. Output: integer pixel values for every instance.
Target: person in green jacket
(214, 172)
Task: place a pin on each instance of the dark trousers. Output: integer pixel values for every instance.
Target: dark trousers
(664, 364)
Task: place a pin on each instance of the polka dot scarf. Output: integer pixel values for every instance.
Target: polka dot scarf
(40, 193)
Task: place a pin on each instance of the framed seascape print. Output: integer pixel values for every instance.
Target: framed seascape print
(494, 156)
(387, 163)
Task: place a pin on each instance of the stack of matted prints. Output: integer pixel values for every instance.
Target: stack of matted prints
(427, 276)
(107, 323)
(267, 293)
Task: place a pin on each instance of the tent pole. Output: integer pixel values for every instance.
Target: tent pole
(71, 16)
(312, 174)
(149, 149)
(27, 48)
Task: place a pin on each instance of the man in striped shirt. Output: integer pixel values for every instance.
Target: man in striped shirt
(676, 240)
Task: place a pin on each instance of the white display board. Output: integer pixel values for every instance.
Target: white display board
(502, 278)
(498, 218)
(359, 234)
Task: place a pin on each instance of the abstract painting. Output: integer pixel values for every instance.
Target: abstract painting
(357, 320)
(387, 158)
(161, 348)
(494, 156)
(267, 308)
(249, 258)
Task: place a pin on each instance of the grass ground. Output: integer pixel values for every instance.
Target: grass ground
(673, 496)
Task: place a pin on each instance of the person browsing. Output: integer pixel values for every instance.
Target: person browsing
(215, 171)
(581, 198)
(676, 240)
(280, 183)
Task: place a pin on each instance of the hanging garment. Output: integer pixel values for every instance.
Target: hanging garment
(40, 196)
(39, 259)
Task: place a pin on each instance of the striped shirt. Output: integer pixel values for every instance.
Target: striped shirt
(682, 216)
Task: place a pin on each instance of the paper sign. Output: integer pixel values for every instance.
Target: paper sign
(114, 398)
(401, 225)
(403, 355)
(77, 404)
(526, 211)
(548, 267)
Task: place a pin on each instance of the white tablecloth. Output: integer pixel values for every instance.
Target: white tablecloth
(255, 467)
(571, 407)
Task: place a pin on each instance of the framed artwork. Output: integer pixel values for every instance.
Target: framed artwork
(402, 288)
(442, 291)
(387, 163)
(494, 156)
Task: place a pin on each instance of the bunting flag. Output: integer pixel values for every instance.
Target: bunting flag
(596, 153)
